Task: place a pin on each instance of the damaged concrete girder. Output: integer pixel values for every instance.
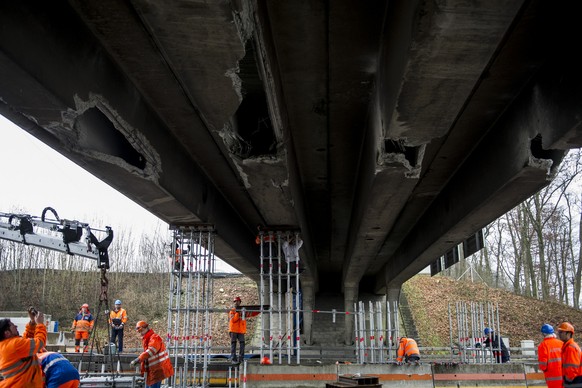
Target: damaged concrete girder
(384, 186)
(171, 184)
(510, 163)
(448, 45)
(195, 91)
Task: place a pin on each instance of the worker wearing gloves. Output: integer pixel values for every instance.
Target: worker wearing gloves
(571, 356)
(550, 357)
(154, 360)
(407, 350)
(117, 320)
(19, 364)
(82, 326)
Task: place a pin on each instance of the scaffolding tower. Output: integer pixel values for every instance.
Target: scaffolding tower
(376, 332)
(191, 303)
(470, 319)
(280, 295)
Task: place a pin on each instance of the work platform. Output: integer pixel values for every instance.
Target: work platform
(317, 374)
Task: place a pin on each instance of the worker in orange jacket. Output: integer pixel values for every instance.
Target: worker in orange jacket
(19, 365)
(571, 356)
(117, 320)
(550, 357)
(82, 326)
(237, 328)
(154, 360)
(407, 350)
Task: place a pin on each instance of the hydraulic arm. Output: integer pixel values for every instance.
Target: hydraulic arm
(72, 237)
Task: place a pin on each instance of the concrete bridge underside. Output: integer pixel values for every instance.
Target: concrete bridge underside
(387, 132)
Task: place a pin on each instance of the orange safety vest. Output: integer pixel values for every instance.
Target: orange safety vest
(571, 357)
(19, 365)
(83, 322)
(155, 359)
(407, 347)
(121, 315)
(550, 361)
(236, 323)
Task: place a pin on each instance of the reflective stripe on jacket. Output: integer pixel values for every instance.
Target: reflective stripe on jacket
(83, 322)
(550, 361)
(57, 369)
(407, 347)
(571, 358)
(155, 359)
(236, 324)
(19, 365)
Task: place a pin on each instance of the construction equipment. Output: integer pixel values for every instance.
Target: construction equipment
(71, 237)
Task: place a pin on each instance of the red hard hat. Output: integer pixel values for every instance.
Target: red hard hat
(265, 361)
(237, 299)
(565, 326)
(85, 305)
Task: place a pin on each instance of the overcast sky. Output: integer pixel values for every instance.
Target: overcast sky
(33, 176)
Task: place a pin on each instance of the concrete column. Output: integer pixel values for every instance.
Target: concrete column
(350, 297)
(308, 305)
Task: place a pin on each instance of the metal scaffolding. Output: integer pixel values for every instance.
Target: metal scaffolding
(376, 331)
(190, 304)
(470, 319)
(280, 295)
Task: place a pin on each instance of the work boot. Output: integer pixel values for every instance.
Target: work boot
(77, 349)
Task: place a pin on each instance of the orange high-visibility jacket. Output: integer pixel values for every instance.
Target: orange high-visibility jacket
(121, 314)
(83, 322)
(155, 359)
(550, 361)
(236, 323)
(571, 357)
(407, 347)
(19, 365)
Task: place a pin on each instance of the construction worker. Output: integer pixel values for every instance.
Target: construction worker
(571, 356)
(237, 328)
(550, 357)
(82, 326)
(58, 371)
(291, 252)
(117, 320)
(19, 364)
(154, 360)
(493, 341)
(407, 350)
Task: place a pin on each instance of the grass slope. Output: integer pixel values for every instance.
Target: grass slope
(520, 317)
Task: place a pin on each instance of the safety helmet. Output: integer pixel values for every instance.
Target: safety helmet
(547, 329)
(117, 301)
(85, 305)
(265, 361)
(487, 331)
(566, 326)
(237, 299)
(141, 325)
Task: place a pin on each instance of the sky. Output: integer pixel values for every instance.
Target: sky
(33, 176)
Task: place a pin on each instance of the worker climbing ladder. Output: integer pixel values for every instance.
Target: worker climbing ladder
(190, 304)
(280, 295)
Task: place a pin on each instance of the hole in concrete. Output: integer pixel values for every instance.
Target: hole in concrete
(252, 120)
(539, 152)
(97, 132)
(398, 147)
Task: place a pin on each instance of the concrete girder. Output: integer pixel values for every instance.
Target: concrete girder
(509, 163)
(178, 189)
(448, 45)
